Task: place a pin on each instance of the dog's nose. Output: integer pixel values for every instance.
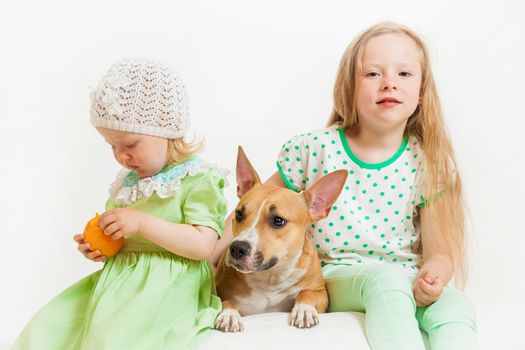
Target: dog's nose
(239, 249)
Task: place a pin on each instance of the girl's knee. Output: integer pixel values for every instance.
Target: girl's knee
(452, 307)
(389, 282)
(386, 277)
(355, 287)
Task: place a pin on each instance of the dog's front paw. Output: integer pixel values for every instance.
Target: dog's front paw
(303, 316)
(229, 320)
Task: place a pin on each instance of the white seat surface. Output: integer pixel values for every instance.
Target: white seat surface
(336, 330)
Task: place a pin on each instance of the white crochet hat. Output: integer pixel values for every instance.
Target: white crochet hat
(141, 96)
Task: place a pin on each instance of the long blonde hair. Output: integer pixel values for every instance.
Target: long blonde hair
(446, 207)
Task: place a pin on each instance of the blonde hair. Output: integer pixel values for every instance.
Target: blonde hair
(446, 209)
(180, 149)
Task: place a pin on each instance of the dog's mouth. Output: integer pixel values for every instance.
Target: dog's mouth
(256, 264)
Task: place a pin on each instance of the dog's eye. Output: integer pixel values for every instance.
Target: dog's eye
(277, 222)
(239, 215)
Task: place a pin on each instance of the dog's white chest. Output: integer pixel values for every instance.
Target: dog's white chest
(269, 294)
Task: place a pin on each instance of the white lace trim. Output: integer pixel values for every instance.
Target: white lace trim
(145, 187)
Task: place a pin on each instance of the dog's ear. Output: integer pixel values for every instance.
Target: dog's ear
(246, 175)
(321, 195)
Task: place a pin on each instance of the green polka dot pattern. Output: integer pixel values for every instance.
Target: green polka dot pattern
(373, 220)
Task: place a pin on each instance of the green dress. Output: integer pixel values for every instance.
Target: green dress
(145, 297)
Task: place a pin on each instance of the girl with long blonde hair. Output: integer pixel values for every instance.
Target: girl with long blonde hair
(395, 237)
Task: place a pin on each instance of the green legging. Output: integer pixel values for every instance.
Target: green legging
(392, 319)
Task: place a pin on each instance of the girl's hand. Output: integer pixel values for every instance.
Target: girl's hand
(427, 289)
(84, 248)
(120, 222)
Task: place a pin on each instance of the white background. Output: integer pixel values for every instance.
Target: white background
(257, 73)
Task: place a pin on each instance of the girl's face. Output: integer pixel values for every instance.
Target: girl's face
(144, 154)
(388, 87)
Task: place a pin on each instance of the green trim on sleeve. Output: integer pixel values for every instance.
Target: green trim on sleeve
(210, 224)
(285, 179)
(426, 202)
(371, 165)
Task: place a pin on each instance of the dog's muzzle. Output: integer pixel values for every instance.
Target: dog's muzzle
(241, 258)
(240, 249)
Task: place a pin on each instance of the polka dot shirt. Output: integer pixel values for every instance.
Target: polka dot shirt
(375, 219)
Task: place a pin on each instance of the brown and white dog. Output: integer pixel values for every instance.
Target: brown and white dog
(271, 264)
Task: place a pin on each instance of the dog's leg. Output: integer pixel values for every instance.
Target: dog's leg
(308, 304)
(229, 320)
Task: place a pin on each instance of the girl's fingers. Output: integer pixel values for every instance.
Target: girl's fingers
(434, 289)
(426, 294)
(423, 288)
(428, 288)
(111, 229)
(100, 258)
(420, 282)
(420, 300)
(79, 238)
(429, 278)
(93, 255)
(118, 234)
(421, 291)
(106, 219)
(423, 299)
(84, 247)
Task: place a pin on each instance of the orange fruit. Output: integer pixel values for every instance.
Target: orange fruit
(94, 235)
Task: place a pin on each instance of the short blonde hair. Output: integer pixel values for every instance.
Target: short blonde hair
(181, 148)
(426, 124)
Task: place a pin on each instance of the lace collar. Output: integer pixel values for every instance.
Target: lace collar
(129, 187)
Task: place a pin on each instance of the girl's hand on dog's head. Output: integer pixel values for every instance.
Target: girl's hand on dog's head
(84, 248)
